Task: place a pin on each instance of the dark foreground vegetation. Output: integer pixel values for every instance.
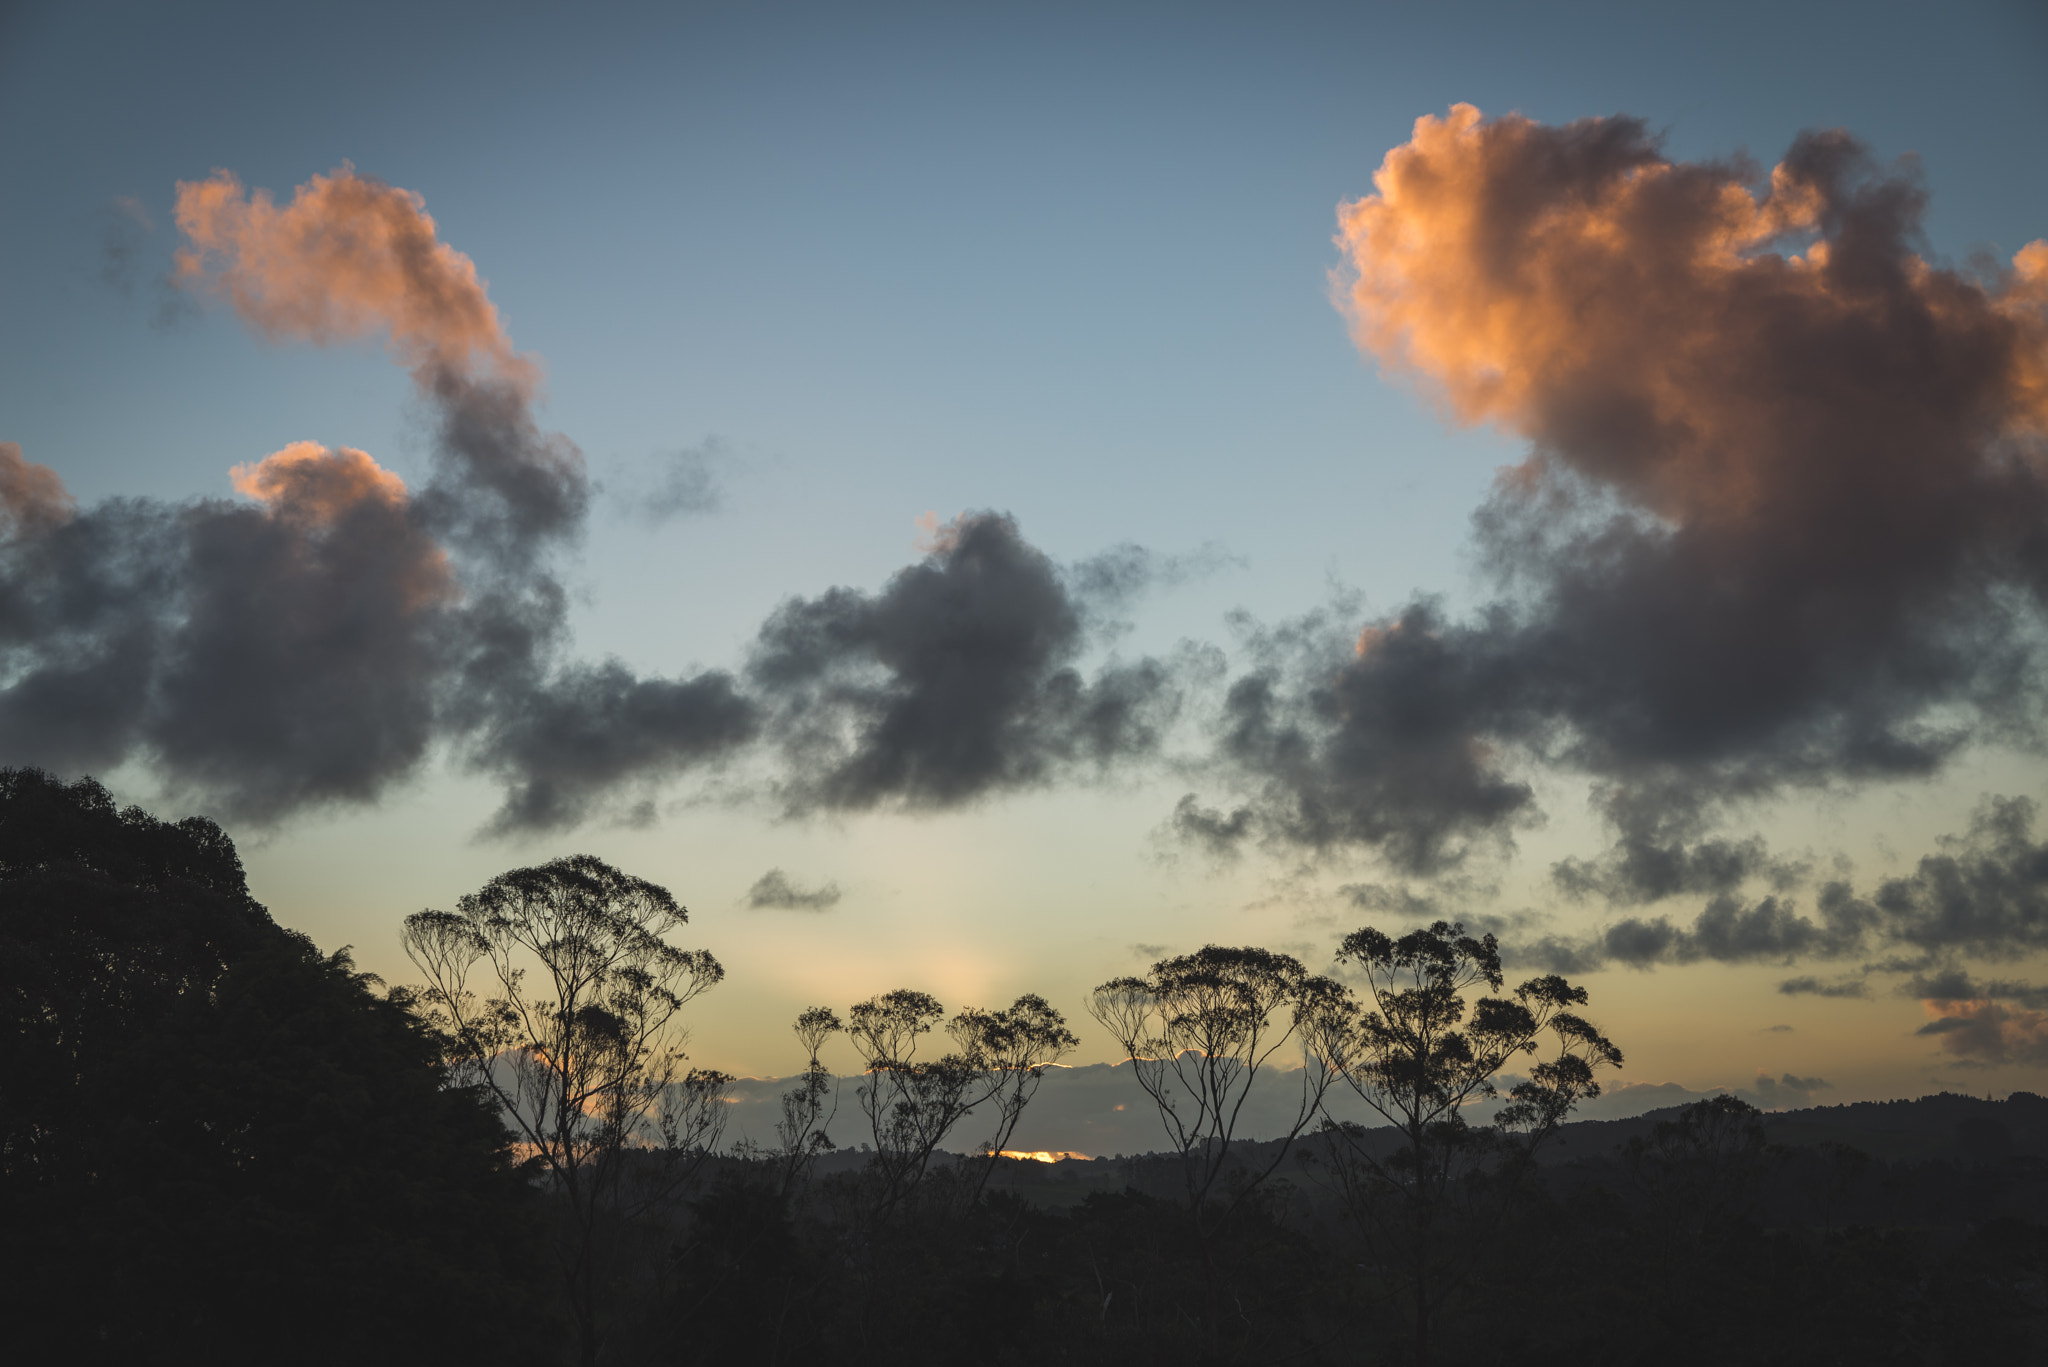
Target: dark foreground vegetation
(220, 1145)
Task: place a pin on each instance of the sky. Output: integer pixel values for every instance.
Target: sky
(978, 498)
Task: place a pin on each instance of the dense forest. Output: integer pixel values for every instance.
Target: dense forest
(223, 1145)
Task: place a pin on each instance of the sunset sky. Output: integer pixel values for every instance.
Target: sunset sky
(978, 498)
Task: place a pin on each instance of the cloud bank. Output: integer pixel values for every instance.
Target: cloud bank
(1981, 895)
(1781, 523)
(315, 643)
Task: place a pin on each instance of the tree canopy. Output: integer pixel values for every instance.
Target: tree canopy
(213, 1138)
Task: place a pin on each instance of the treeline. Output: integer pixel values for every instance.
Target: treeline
(216, 1143)
(220, 1145)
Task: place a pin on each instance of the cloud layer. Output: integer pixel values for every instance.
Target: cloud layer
(317, 642)
(1982, 895)
(1781, 522)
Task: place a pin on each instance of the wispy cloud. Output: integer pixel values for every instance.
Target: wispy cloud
(776, 890)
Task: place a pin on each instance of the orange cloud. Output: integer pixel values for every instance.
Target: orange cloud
(315, 490)
(1631, 314)
(31, 495)
(309, 481)
(935, 537)
(1780, 523)
(348, 257)
(352, 257)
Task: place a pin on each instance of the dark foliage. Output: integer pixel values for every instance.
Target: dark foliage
(1694, 1237)
(218, 1141)
(218, 1145)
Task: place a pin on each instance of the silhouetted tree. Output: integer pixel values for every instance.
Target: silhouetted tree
(746, 1283)
(588, 1070)
(809, 1107)
(1417, 1057)
(215, 1141)
(912, 1105)
(1706, 1165)
(1198, 1029)
(1011, 1047)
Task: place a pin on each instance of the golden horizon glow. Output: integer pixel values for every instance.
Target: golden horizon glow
(1041, 1155)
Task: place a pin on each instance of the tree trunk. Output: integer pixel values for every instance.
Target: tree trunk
(1422, 1297)
(1423, 1216)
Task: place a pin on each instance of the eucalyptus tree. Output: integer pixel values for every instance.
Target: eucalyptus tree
(1012, 1048)
(911, 1104)
(809, 1107)
(585, 1060)
(1415, 1055)
(1198, 1030)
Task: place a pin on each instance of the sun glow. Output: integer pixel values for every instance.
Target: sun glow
(1041, 1155)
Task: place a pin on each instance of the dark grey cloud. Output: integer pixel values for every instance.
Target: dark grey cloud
(776, 890)
(1729, 930)
(1954, 984)
(313, 649)
(688, 482)
(565, 738)
(1988, 1033)
(314, 645)
(1642, 868)
(504, 490)
(1220, 833)
(1376, 749)
(1810, 986)
(1107, 582)
(1781, 525)
(957, 680)
(1403, 903)
(264, 658)
(1785, 1092)
(1982, 895)
(589, 732)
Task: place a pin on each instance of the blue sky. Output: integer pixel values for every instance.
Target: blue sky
(1066, 262)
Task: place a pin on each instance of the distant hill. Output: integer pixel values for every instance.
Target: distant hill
(1098, 1109)
(1931, 1145)
(1945, 1126)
